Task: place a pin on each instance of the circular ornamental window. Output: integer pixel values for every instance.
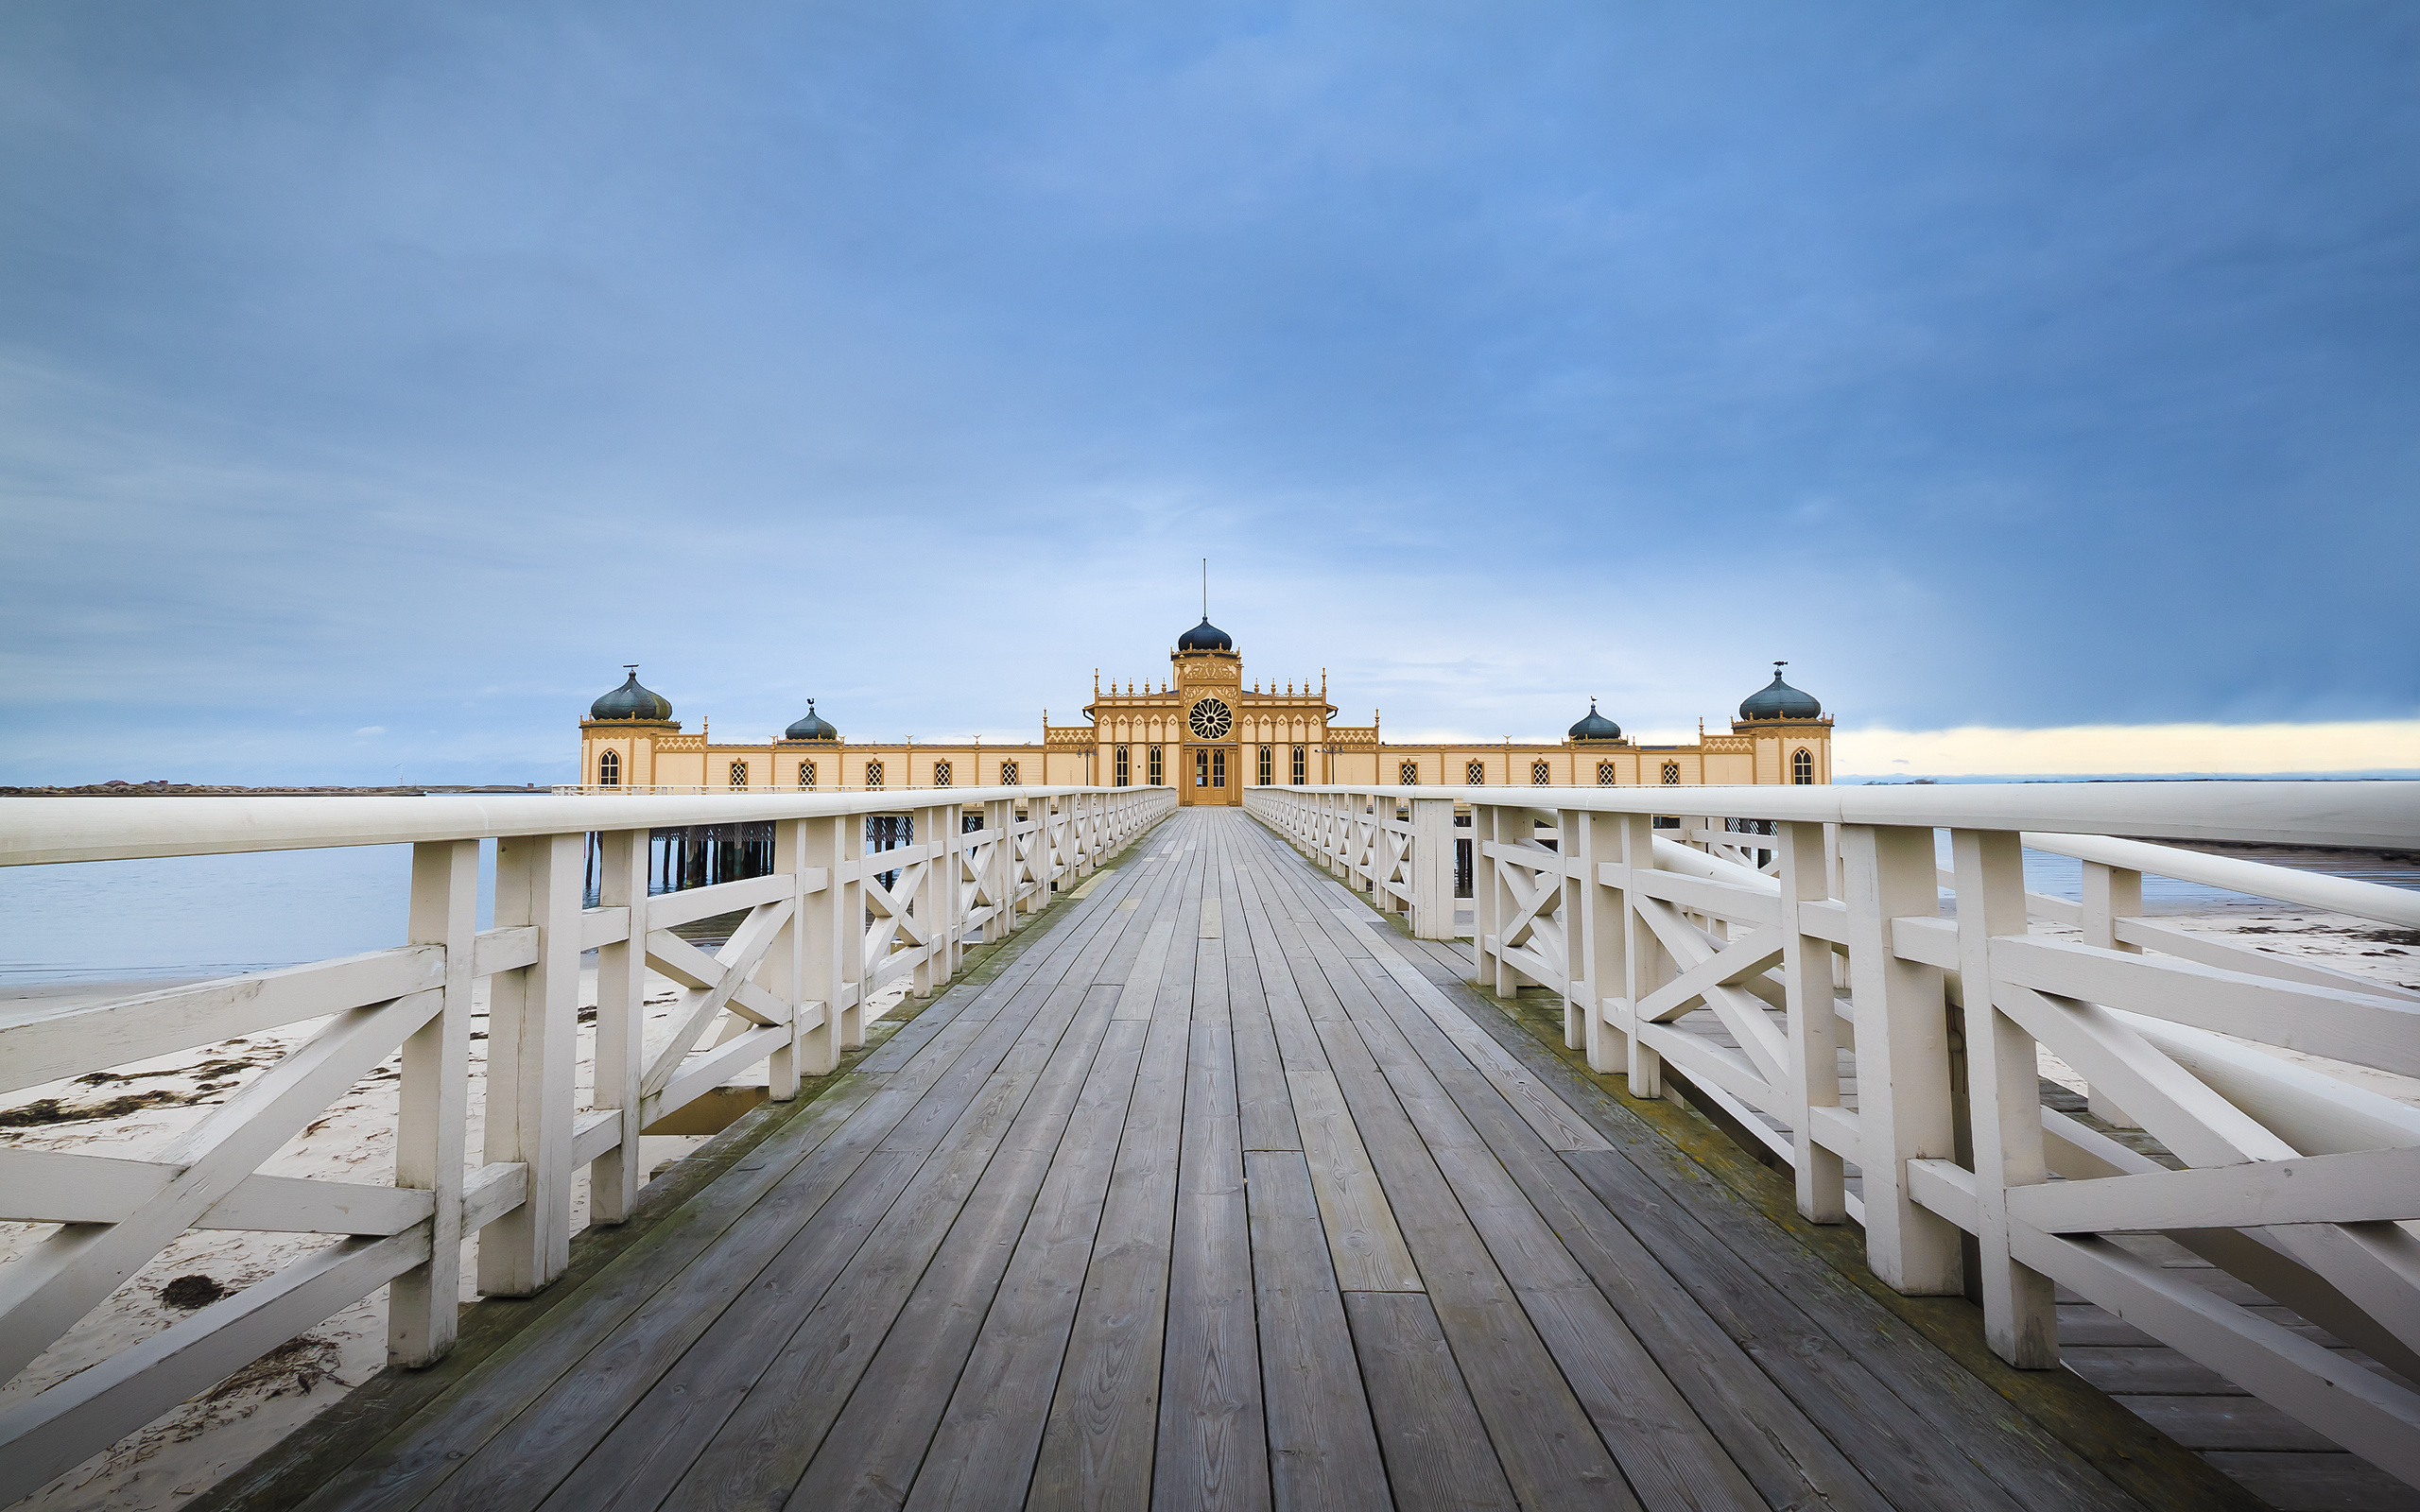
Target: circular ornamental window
(1211, 721)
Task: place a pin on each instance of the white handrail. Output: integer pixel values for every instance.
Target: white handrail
(2316, 889)
(40, 830)
(2344, 814)
(1770, 974)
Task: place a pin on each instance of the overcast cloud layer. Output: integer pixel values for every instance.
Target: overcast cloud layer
(374, 380)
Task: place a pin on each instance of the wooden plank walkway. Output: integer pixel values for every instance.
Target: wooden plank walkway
(1218, 1195)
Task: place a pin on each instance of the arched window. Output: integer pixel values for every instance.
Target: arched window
(1802, 765)
(873, 773)
(1409, 774)
(941, 774)
(739, 774)
(1008, 774)
(1201, 767)
(608, 769)
(1218, 767)
(1540, 773)
(1604, 774)
(1672, 774)
(1474, 775)
(1158, 772)
(807, 774)
(1301, 767)
(1124, 770)
(1268, 766)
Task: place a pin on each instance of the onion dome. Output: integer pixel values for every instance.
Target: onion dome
(1205, 636)
(631, 701)
(1595, 727)
(1779, 700)
(811, 727)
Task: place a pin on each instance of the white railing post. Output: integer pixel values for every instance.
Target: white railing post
(1904, 1110)
(434, 1103)
(615, 1176)
(1487, 915)
(1578, 1012)
(832, 926)
(1000, 818)
(1814, 1039)
(783, 969)
(2003, 1099)
(1432, 868)
(533, 1026)
(2110, 894)
(1598, 973)
(1645, 965)
(936, 899)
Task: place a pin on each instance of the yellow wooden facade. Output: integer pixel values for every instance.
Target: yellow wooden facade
(1206, 732)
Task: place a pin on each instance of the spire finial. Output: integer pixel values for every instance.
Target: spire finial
(1205, 590)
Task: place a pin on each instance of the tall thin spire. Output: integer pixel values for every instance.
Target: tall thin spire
(1205, 590)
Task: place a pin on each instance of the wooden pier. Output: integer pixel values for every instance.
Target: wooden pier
(1222, 1193)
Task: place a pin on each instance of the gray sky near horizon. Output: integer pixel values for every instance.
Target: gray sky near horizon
(375, 381)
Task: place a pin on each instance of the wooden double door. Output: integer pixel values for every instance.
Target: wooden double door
(1210, 774)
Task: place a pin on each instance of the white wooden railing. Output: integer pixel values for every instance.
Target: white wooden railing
(1766, 970)
(821, 936)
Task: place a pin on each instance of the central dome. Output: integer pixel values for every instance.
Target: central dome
(631, 701)
(1205, 636)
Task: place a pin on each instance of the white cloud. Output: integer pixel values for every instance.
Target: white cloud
(371, 730)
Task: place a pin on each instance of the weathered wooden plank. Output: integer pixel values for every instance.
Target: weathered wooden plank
(2316, 1482)
(1668, 1455)
(2226, 1422)
(639, 1460)
(981, 1454)
(1789, 1459)
(1436, 1444)
(1323, 1447)
(1556, 1124)
(1267, 1108)
(1105, 1417)
(1213, 1442)
(1750, 1273)
(2158, 1371)
(1550, 1450)
(1364, 1238)
(999, 1150)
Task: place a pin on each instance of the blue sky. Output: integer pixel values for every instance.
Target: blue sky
(406, 369)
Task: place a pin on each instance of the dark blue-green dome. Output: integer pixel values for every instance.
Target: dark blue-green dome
(1779, 700)
(811, 727)
(631, 701)
(1205, 636)
(1595, 727)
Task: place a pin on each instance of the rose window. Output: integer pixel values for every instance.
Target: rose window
(1211, 721)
